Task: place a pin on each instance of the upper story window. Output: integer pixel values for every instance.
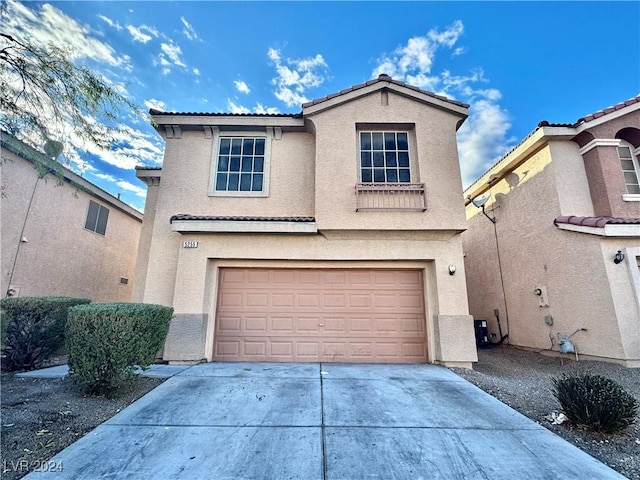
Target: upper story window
(630, 169)
(97, 217)
(241, 165)
(384, 157)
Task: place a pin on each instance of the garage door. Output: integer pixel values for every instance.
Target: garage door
(310, 315)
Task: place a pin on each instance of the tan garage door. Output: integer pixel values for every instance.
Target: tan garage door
(329, 315)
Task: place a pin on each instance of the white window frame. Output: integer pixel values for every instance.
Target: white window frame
(636, 170)
(413, 171)
(267, 135)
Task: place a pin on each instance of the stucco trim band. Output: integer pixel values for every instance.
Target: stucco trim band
(231, 226)
(606, 231)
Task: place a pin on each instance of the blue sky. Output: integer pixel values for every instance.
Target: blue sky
(515, 63)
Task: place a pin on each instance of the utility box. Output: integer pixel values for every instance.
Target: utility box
(482, 334)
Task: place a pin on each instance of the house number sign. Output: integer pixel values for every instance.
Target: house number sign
(190, 244)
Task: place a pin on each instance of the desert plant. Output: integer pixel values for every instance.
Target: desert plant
(107, 341)
(33, 329)
(595, 402)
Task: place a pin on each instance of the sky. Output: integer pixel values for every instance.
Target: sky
(514, 63)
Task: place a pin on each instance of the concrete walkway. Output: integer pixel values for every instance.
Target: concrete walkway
(321, 422)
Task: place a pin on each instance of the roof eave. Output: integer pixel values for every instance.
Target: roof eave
(332, 101)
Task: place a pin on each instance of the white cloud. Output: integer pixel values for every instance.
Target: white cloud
(483, 138)
(155, 104)
(46, 24)
(123, 184)
(138, 35)
(196, 72)
(233, 108)
(258, 109)
(171, 54)
(294, 77)
(261, 109)
(188, 30)
(242, 87)
(111, 23)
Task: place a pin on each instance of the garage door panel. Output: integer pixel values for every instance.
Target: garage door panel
(320, 315)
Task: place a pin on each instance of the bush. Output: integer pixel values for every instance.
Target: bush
(107, 341)
(33, 329)
(595, 402)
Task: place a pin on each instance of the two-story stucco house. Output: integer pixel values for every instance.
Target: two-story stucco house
(328, 235)
(562, 259)
(62, 235)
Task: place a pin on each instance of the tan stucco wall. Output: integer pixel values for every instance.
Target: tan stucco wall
(195, 293)
(312, 174)
(584, 289)
(60, 257)
(338, 159)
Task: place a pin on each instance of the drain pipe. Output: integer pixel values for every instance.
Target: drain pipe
(496, 312)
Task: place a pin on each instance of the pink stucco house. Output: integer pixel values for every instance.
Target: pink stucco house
(333, 234)
(61, 234)
(559, 254)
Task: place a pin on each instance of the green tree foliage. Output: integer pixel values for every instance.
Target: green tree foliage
(46, 97)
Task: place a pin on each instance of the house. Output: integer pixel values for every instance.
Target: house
(560, 263)
(328, 235)
(62, 235)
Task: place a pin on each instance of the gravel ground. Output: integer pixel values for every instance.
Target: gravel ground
(41, 417)
(522, 380)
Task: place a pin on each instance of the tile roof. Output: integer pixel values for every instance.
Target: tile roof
(605, 111)
(185, 216)
(143, 167)
(153, 111)
(382, 78)
(598, 222)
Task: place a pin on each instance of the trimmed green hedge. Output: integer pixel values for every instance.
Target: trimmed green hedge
(33, 329)
(107, 341)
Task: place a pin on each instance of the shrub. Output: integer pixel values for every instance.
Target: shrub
(33, 329)
(595, 402)
(107, 341)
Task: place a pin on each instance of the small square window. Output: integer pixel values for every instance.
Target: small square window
(97, 217)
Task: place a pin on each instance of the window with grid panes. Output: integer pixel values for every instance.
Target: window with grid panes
(384, 157)
(629, 169)
(240, 164)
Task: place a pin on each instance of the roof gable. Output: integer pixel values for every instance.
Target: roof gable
(384, 82)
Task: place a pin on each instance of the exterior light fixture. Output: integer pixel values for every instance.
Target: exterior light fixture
(452, 269)
(619, 257)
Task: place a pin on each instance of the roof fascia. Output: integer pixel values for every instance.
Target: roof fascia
(226, 120)
(534, 142)
(609, 230)
(369, 89)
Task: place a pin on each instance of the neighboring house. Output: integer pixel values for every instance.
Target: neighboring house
(321, 236)
(564, 251)
(62, 235)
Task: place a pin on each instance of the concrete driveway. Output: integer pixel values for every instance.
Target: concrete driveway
(321, 421)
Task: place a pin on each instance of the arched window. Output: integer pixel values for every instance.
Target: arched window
(630, 168)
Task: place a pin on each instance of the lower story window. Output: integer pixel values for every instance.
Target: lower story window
(241, 164)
